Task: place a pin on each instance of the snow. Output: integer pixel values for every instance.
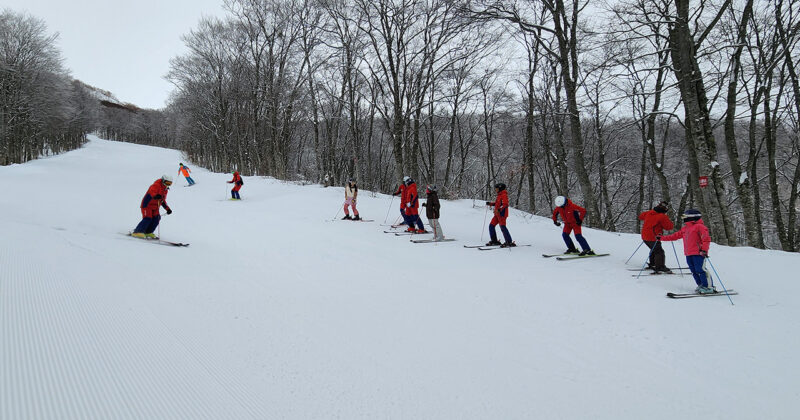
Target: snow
(276, 312)
(742, 178)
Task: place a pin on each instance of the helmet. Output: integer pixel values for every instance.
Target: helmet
(166, 179)
(662, 207)
(409, 180)
(560, 201)
(406, 179)
(500, 186)
(690, 215)
(431, 188)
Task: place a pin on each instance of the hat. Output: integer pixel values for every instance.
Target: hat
(560, 201)
(691, 215)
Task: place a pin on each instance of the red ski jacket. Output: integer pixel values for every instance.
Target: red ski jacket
(655, 224)
(567, 213)
(412, 198)
(695, 237)
(155, 197)
(501, 204)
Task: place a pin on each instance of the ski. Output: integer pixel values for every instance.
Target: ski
(411, 233)
(363, 220)
(556, 255)
(489, 248)
(693, 295)
(577, 257)
(428, 241)
(480, 246)
(671, 268)
(652, 274)
(158, 241)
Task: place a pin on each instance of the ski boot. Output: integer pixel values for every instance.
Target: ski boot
(493, 243)
(138, 235)
(508, 245)
(346, 217)
(662, 270)
(587, 252)
(356, 217)
(571, 251)
(151, 236)
(420, 231)
(707, 291)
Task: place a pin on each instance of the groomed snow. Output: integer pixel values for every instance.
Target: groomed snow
(276, 312)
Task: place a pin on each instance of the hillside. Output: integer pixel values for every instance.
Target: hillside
(275, 311)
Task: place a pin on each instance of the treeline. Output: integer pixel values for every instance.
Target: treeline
(618, 104)
(41, 110)
(44, 111)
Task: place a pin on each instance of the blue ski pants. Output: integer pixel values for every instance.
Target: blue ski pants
(696, 263)
(578, 237)
(493, 233)
(147, 225)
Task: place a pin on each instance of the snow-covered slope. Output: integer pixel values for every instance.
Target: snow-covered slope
(274, 311)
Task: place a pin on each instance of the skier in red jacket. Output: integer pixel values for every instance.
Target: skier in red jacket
(696, 241)
(656, 222)
(501, 209)
(237, 185)
(154, 198)
(572, 215)
(412, 207)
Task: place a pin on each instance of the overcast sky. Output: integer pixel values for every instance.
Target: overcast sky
(121, 46)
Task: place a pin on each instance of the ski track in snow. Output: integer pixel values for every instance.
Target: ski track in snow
(276, 312)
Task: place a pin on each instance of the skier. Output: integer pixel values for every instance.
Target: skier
(185, 171)
(500, 215)
(155, 197)
(572, 215)
(432, 212)
(696, 241)
(237, 185)
(412, 207)
(656, 222)
(350, 195)
(401, 191)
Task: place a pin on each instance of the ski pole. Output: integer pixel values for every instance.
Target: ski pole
(337, 215)
(647, 260)
(634, 252)
(680, 269)
(484, 221)
(388, 210)
(720, 280)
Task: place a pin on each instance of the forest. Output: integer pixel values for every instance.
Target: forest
(617, 104)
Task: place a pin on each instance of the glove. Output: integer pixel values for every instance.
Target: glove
(704, 254)
(157, 197)
(230, 182)
(658, 238)
(169, 211)
(489, 203)
(556, 222)
(424, 204)
(578, 221)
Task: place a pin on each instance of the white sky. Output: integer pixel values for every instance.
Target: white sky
(121, 46)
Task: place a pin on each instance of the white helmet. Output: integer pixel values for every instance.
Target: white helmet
(166, 178)
(560, 201)
(406, 178)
